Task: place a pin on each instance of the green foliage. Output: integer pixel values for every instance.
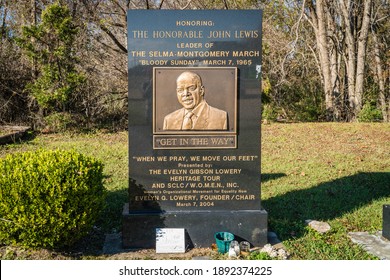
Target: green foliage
(370, 113)
(332, 245)
(301, 104)
(269, 113)
(59, 122)
(293, 101)
(49, 198)
(51, 45)
(259, 256)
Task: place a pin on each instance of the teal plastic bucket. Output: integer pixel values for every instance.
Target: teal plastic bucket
(223, 240)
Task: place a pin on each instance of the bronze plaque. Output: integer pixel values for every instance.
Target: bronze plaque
(194, 108)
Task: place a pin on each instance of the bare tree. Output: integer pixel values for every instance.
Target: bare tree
(381, 56)
(341, 28)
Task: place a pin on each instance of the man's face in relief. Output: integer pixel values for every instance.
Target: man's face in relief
(189, 90)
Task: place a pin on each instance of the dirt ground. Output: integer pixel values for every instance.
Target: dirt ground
(150, 254)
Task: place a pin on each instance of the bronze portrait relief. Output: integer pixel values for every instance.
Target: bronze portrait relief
(194, 100)
(196, 113)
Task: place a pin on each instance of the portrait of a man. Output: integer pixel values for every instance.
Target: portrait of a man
(196, 113)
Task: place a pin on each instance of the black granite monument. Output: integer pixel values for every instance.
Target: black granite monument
(194, 126)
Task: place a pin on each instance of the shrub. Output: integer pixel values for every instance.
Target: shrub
(269, 113)
(370, 113)
(259, 256)
(49, 199)
(59, 122)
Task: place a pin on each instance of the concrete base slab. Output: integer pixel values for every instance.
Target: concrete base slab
(374, 244)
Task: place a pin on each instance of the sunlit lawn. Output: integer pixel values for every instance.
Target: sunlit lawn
(333, 172)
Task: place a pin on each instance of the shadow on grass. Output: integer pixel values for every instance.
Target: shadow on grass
(109, 221)
(112, 221)
(18, 137)
(326, 201)
(271, 176)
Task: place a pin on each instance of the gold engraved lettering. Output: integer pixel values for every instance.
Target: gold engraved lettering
(183, 204)
(182, 197)
(191, 165)
(189, 45)
(220, 141)
(161, 54)
(246, 158)
(175, 171)
(146, 198)
(181, 63)
(138, 34)
(174, 34)
(201, 171)
(138, 53)
(203, 53)
(184, 178)
(162, 158)
(246, 34)
(212, 178)
(209, 185)
(177, 158)
(219, 34)
(144, 158)
(215, 197)
(228, 171)
(228, 191)
(244, 197)
(167, 142)
(176, 185)
(202, 191)
(229, 158)
(246, 53)
(153, 62)
(199, 141)
(218, 62)
(211, 158)
(194, 23)
(176, 191)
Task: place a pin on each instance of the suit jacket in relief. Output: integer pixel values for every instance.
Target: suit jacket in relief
(209, 118)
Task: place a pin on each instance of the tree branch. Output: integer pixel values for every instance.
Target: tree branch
(188, 3)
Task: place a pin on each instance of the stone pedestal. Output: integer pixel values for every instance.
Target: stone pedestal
(200, 226)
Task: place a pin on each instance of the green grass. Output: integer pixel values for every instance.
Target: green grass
(338, 173)
(333, 172)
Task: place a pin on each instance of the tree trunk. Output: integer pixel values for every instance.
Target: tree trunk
(322, 43)
(3, 34)
(351, 55)
(381, 78)
(333, 48)
(34, 23)
(361, 56)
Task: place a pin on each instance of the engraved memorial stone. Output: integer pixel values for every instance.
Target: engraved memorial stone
(194, 126)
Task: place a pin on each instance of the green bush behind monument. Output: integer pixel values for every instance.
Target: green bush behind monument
(49, 199)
